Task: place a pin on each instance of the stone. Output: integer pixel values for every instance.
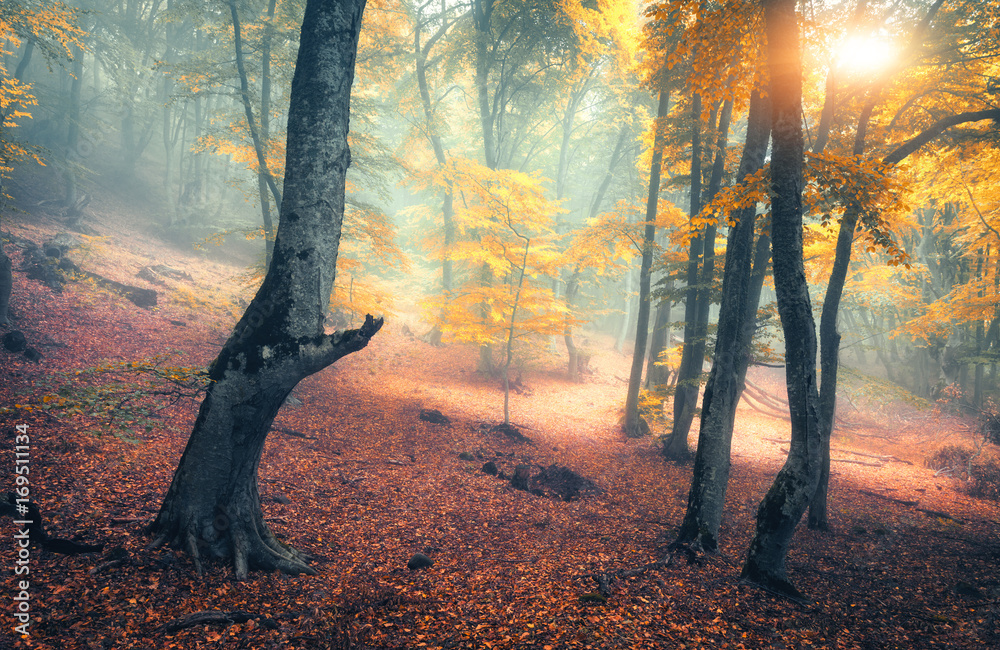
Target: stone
(434, 416)
(419, 561)
(14, 341)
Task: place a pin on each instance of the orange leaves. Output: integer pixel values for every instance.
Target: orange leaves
(714, 45)
(858, 183)
(751, 191)
(53, 26)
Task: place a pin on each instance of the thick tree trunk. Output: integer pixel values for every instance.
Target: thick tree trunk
(631, 425)
(783, 505)
(726, 381)
(212, 507)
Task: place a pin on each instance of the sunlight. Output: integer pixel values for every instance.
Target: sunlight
(862, 55)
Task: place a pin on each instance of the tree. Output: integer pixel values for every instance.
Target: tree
(431, 127)
(504, 225)
(700, 276)
(729, 364)
(633, 427)
(259, 136)
(786, 501)
(861, 197)
(54, 28)
(212, 506)
(708, 46)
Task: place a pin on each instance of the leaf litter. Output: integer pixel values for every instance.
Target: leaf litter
(371, 483)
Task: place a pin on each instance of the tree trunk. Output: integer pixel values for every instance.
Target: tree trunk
(693, 355)
(785, 502)
(657, 373)
(626, 315)
(73, 133)
(447, 204)
(513, 320)
(632, 426)
(6, 285)
(213, 507)
(265, 133)
(686, 394)
(707, 273)
(830, 338)
(830, 361)
(258, 145)
(572, 286)
(482, 12)
(726, 381)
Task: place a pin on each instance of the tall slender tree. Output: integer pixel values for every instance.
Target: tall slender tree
(730, 360)
(632, 424)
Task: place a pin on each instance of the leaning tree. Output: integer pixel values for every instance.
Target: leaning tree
(212, 508)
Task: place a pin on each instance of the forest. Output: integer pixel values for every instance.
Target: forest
(500, 323)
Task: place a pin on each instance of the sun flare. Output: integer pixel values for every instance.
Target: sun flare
(865, 55)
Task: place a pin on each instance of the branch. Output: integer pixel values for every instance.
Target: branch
(332, 347)
(913, 144)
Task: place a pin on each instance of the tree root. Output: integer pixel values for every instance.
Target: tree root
(603, 580)
(250, 546)
(217, 617)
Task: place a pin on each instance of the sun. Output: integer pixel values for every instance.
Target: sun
(865, 55)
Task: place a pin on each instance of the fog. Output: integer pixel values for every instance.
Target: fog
(499, 179)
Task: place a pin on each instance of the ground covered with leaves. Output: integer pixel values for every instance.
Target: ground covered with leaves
(354, 475)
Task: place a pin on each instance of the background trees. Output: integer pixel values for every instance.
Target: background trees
(548, 164)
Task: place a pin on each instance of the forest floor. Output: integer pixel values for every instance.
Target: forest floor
(353, 476)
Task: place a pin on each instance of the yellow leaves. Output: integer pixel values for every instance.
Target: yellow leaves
(505, 252)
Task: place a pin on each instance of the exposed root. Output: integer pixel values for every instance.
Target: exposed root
(192, 543)
(249, 546)
(603, 580)
(777, 586)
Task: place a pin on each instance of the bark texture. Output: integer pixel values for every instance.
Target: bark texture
(786, 501)
(700, 527)
(212, 507)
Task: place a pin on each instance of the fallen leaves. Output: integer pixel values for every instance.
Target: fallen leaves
(368, 484)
